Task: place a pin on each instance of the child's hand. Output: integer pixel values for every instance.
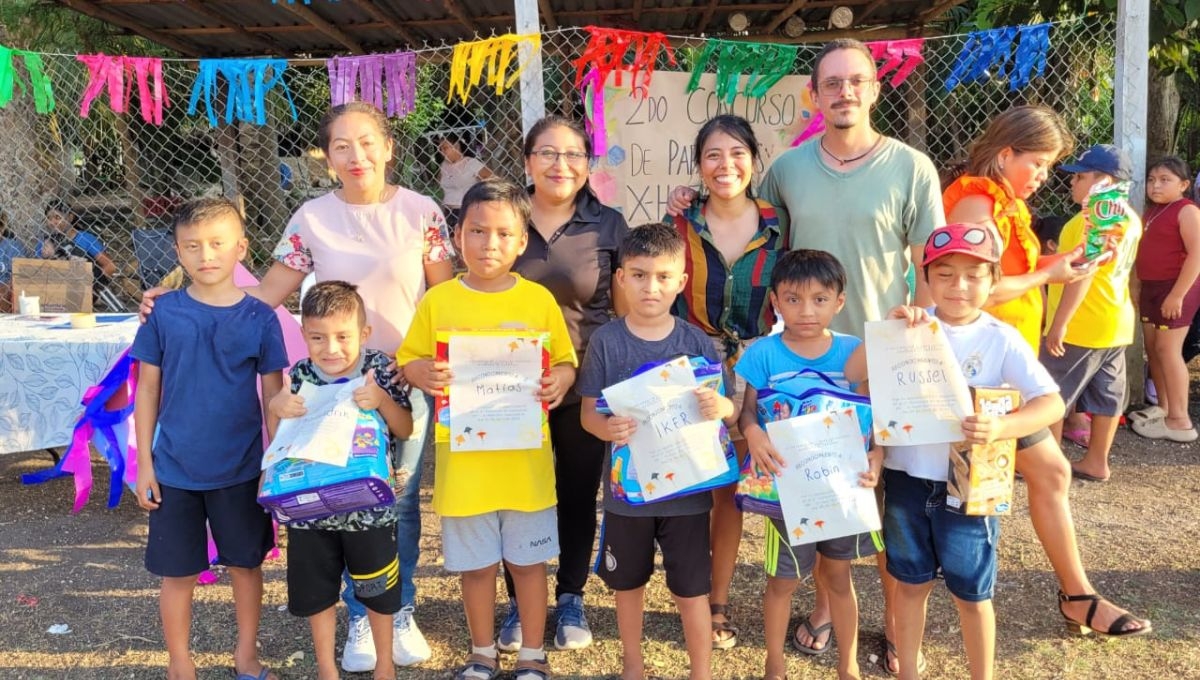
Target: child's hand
(982, 429)
(428, 375)
(1172, 306)
(1054, 340)
(370, 395)
(285, 404)
(620, 429)
(551, 391)
(763, 453)
(146, 490)
(870, 478)
(1062, 268)
(915, 316)
(711, 404)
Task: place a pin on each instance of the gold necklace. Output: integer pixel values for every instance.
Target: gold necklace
(1157, 214)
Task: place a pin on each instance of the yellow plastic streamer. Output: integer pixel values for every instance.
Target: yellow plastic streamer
(496, 54)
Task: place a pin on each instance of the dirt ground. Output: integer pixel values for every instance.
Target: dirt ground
(85, 571)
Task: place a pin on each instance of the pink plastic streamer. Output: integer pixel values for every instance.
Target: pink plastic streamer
(592, 86)
(368, 77)
(901, 56)
(815, 127)
(118, 75)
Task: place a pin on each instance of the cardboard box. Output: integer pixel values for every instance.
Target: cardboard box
(980, 479)
(296, 489)
(61, 285)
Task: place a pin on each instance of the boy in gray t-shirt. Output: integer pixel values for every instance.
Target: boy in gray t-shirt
(650, 276)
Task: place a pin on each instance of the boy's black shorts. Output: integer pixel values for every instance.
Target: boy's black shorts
(316, 558)
(178, 543)
(626, 557)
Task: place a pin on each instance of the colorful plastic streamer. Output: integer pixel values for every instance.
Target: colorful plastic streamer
(607, 51)
(900, 58)
(592, 87)
(989, 54)
(118, 75)
(248, 80)
(497, 54)
(43, 93)
(766, 64)
(366, 78)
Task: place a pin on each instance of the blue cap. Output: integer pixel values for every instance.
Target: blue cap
(1104, 158)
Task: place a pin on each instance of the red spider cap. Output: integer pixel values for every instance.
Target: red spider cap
(977, 240)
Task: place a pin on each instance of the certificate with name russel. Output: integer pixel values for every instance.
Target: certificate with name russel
(492, 404)
(819, 492)
(918, 392)
(673, 447)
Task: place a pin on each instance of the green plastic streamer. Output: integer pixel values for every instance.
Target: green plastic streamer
(765, 63)
(43, 93)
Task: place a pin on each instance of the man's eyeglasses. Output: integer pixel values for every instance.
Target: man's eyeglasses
(550, 156)
(832, 86)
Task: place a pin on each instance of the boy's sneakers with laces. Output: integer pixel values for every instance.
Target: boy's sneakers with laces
(359, 654)
(509, 638)
(571, 629)
(408, 644)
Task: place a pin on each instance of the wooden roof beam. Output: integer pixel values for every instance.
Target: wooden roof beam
(546, 12)
(938, 10)
(268, 45)
(383, 17)
(783, 16)
(457, 12)
(637, 10)
(869, 10)
(110, 17)
(706, 16)
(324, 26)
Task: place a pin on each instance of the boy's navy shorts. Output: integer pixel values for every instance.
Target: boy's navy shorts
(924, 539)
(316, 558)
(625, 560)
(178, 543)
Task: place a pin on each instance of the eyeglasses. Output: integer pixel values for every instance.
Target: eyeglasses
(550, 156)
(832, 86)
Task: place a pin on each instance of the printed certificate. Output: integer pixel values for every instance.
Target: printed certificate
(324, 434)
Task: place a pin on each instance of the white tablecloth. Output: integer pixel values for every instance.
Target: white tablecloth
(44, 371)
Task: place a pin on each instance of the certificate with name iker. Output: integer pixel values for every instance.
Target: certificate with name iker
(918, 391)
(491, 404)
(819, 492)
(673, 447)
(325, 432)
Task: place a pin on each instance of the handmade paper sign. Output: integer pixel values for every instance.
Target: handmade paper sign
(492, 402)
(918, 391)
(673, 447)
(325, 433)
(819, 491)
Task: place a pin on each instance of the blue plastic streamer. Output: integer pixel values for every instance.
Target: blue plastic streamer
(1030, 60)
(248, 80)
(991, 55)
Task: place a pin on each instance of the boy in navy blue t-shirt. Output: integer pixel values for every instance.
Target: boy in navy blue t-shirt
(203, 353)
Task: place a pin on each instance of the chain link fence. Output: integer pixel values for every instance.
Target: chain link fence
(122, 176)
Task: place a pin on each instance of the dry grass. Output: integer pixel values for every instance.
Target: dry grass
(86, 571)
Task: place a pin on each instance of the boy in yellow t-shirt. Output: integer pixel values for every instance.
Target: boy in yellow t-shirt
(494, 505)
(1090, 322)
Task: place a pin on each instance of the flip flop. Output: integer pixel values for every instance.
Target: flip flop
(262, 675)
(889, 652)
(1080, 437)
(1079, 474)
(825, 629)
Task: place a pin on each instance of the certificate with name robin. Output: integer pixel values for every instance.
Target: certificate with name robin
(918, 392)
(491, 403)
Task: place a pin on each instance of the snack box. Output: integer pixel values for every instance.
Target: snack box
(981, 476)
(296, 489)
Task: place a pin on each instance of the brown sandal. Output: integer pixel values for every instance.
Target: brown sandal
(479, 663)
(532, 669)
(725, 634)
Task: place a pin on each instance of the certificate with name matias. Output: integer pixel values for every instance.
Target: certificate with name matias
(492, 404)
(918, 392)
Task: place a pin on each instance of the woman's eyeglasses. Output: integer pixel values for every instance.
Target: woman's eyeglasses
(550, 156)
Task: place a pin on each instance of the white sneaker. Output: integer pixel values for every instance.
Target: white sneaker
(408, 644)
(359, 655)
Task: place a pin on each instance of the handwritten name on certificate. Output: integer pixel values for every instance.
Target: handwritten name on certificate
(493, 406)
(325, 432)
(918, 391)
(819, 491)
(673, 447)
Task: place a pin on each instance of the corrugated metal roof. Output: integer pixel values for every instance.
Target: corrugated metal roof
(253, 27)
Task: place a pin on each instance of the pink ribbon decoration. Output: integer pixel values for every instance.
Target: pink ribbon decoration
(815, 127)
(901, 56)
(592, 88)
(118, 74)
(367, 77)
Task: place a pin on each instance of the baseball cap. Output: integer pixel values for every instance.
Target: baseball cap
(977, 240)
(1104, 158)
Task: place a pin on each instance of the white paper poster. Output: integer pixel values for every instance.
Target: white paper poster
(673, 447)
(918, 391)
(324, 434)
(493, 406)
(819, 491)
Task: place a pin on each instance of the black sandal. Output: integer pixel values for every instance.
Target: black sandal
(725, 634)
(1117, 629)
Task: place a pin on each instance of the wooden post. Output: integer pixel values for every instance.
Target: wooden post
(1130, 94)
(533, 88)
